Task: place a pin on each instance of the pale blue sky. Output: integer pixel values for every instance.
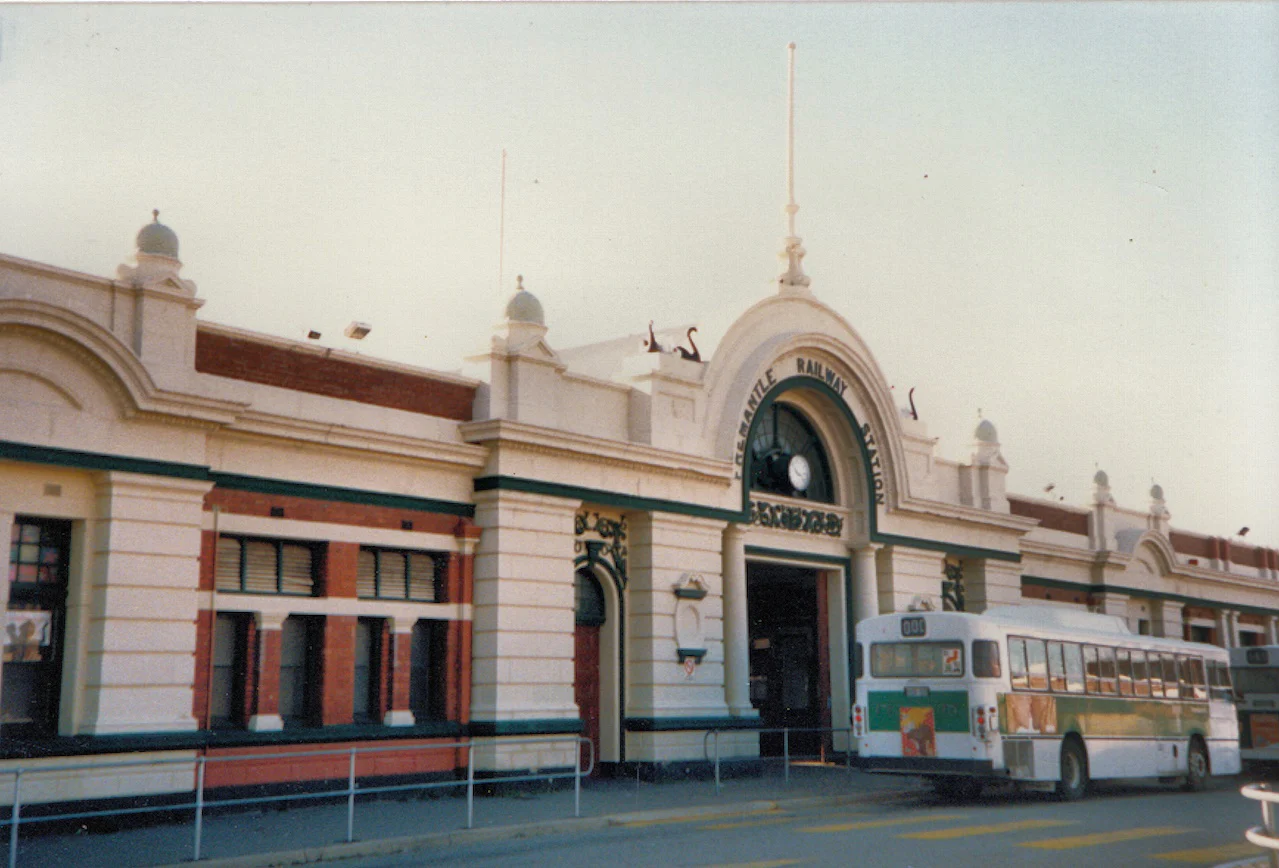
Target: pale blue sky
(1064, 214)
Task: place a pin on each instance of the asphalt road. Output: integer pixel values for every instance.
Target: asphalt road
(1135, 824)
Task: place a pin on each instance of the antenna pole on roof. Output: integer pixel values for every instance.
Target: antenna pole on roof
(501, 225)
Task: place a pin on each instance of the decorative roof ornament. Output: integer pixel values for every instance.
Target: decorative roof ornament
(793, 279)
(523, 306)
(156, 239)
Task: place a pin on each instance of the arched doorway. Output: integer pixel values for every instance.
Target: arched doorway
(588, 620)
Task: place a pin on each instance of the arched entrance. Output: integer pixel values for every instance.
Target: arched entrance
(588, 620)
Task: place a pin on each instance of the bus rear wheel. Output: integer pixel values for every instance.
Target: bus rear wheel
(1196, 766)
(1074, 771)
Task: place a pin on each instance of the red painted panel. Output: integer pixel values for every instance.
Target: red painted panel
(586, 684)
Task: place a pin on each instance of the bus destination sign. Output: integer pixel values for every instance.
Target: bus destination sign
(914, 628)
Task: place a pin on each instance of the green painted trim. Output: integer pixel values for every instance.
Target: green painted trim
(685, 724)
(99, 461)
(764, 552)
(1064, 585)
(262, 485)
(545, 726)
(604, 498)
(959, 551)
(174, 470)
(949, 707)
(695, 653)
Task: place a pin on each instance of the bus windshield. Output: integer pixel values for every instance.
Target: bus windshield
(1258, 680)
(917, 659)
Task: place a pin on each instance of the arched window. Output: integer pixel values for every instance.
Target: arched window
(787, 457)
(590, 600)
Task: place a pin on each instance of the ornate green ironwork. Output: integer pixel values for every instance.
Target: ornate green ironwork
(786, 517)
(611, 543)
(952, 588)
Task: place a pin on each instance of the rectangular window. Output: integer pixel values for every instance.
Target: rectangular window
(1037, 664)
(1140, 676)
(1123, 661)
(1171, 682)
(1017, 671)
(1108, 683)
(1092, 669)
(426, 679)
(1074, 667)
(300, 650)
(1184, 671)
(917, 659)
(1219, 683)
(393, 574)
(986, 658)
(1056, 668)
(226, 687)
(1156, 675)
(368, 659)
(260, 566)
(39, 569)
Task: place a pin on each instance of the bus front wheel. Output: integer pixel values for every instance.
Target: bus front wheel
(1074, 771)
(1196, 766)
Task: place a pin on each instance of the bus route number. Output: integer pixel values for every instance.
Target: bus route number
(1258, 657)
(914, 628)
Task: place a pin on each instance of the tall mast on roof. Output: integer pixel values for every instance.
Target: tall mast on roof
(793, 279)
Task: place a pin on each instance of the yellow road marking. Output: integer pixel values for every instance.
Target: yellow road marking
(694, 818)
(776, 863)
(992, 829)
(1212, 855)
(875, 824)
(746, 824)
(1107, 837)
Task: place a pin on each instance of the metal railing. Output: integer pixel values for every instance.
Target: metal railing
(710, 747)
(350, 791)
(1264, 835)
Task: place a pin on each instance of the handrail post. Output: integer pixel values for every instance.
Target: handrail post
(16, 818)
(350, 800)
(1268, 823)
(786, 751)
(716, 734)
(577, 773)
(199, 806)
(470, 784)
(848, 750)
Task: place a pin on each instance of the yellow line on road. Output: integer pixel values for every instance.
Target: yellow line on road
(875, 824)
(1211, 855)
(776, 863)
(992, 829)
(691, 818)
(746, 824)
(1107, 837)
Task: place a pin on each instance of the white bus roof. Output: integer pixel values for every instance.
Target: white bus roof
(1056, 617)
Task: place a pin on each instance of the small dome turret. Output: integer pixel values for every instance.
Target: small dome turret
(524, 306)
(1156, 492)
(986, 432)
(1100, 478)
(156, 239)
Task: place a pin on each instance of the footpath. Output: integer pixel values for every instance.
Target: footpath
(300, 832)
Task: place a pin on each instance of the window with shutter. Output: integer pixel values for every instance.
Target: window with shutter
(366, 574)
(296, 573)
(391, 575)
(422, 569)
(260, 563)
(228, 567)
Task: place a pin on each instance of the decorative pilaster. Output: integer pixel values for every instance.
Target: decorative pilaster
(6, 528)
(990, 582)
(865, 582)
(265, 710)
(1168, 618)
(910, 578)
(400, 658)
(737, 666)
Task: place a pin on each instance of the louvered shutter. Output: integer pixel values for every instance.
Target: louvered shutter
(260, 561)
(391, 574)
(296, 573)
(228, 571)
(366, 574)
(421, 577)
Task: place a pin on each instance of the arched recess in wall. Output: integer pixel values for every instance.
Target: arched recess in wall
(599, 593)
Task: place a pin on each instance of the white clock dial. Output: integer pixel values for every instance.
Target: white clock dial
(799, 473)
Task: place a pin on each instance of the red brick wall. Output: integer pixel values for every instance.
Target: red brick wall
(303, 765)
(245, 359)
(337, 670)
(200, 691)
(1192, 544)
(399, 663)
(1050, 517)
(457, 686)
(1039, 592)
(266, 691)
(338, 567)
(336, 512)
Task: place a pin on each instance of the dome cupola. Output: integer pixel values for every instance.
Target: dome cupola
(156, 239)
(524, 306)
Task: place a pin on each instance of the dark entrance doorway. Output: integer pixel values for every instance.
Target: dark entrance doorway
(787, 635)
(586, 659)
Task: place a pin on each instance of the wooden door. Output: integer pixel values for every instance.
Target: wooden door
(586, 685)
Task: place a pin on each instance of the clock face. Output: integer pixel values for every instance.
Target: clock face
(799, 473)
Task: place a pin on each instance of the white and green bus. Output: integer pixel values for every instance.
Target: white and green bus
(1048, 697)
(1256, 676)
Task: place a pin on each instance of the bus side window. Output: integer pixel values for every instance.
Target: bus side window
(1107, 657)
(1220, 680)
(1199, 678)
(1124, 659)
(1140, 680)
(1171, 689)
(1156, 676)
(1017, 664)
(985, 658)
(1056, 668)
(1184, 667)
(1037, 663)
(1074, 667)
(1092, 669)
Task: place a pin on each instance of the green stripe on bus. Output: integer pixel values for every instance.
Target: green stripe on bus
(950, 709)
(1099, 716)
